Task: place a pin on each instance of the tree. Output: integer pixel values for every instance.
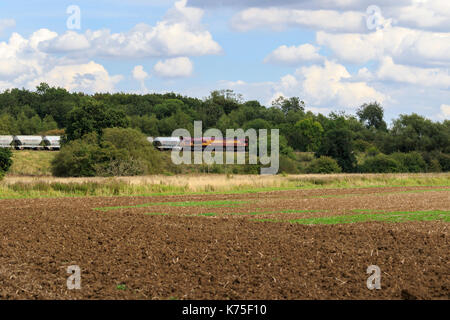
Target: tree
(337, 144)
(372, 116)
(291, 104)
(415, 133)
(5, 161)
(93, 116)
(308, 135)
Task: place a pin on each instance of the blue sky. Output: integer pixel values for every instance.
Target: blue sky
(335, 55)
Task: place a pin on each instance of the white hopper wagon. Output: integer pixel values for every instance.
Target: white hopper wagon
(52, 142)
(5, 141)
(170, 143)
(28, 142)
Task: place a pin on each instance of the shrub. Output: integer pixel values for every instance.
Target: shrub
(380, 164)
(120, 152)
(287, 165)
(444, 161)
(324, 165)
(5, 161)
(410, 162)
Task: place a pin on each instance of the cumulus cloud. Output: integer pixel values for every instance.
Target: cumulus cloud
(174, 68)
(140, 75)
(280, 18)
(445, 112)
(332, 83)
(179, 33)
(430, 14)
(294, 54)
(23, 64)
(319, 85)
(428, 77)
(403, 44)
(91, 77)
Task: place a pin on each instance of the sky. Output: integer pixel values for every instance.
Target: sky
(334, 54)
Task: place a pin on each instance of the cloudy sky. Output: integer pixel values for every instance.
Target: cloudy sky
(334, 54)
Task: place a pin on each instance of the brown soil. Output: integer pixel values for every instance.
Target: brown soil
(185, 256)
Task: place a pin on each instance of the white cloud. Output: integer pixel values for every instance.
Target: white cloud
(91, 77)
(139, 73)
(332, 83)
(294, 54)
(279, 19)
(403, 44)
(319, 85)
(22, 64)
(174, 68)
(428, 77)
(445, 112)
(429, 14)
(179, 33)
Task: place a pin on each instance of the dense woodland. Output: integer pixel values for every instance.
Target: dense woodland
(358, 143)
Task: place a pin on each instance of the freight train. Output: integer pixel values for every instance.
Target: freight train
(161, 143)
(31, 142)
(198, 144)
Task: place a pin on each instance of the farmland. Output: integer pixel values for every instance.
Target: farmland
(293, 237)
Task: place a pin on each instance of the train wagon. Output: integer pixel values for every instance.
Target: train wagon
(6, 141)
(28, 142)
(167, 143)
(52, 142)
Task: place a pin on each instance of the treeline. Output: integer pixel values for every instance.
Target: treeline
(355, 143)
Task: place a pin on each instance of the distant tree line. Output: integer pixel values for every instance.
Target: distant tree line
(339, 141)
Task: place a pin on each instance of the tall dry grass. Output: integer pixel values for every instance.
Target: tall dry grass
(32, 187)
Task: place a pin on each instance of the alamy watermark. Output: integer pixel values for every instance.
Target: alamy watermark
(74, 280)
(374, 18)
(257, 144)
(74, 20)
(374, 281)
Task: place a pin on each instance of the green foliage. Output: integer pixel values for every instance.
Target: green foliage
(344, 137)
(372, 116)
(338, 145)
(308, 135)
(93, 116)
(410, 162)
(5, 161)
(323, 165)
(119, 152)
(380, 164)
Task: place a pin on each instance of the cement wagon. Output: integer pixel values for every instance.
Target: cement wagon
(6, 141)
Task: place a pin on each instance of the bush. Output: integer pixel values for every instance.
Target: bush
(324, 165)
(380, 164)
(437, 161)
(287, 165)
(444, 161)
(5, 161)
(410, 162)
(120, 152)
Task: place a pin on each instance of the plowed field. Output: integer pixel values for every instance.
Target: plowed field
(314, 244)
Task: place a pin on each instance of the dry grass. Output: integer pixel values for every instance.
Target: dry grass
(31, 163)
(15, 186)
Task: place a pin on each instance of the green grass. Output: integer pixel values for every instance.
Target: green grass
(212, 214)
(114, 187)
(397, 216)
(156, 214)
(216, 204)
(376, 194)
